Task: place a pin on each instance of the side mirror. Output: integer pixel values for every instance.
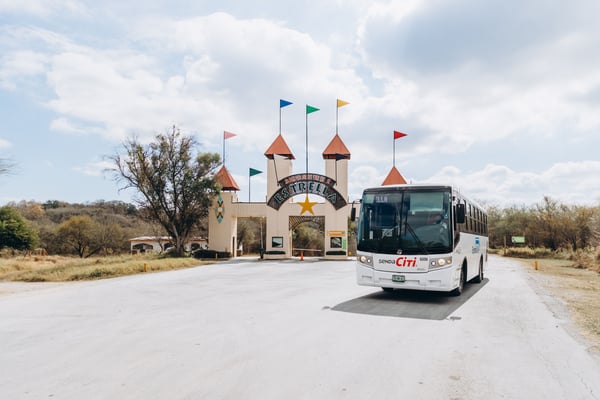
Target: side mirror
(460, 213)
(353, 213)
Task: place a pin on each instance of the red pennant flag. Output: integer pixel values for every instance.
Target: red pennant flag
(398, 135)
(227, 135)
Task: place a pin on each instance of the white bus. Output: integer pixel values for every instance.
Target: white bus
(423, 237)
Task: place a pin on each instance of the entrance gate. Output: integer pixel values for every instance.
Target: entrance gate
(289, 202)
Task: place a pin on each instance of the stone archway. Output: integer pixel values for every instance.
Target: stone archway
(301, 249)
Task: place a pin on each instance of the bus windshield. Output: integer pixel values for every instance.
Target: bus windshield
(405, 222)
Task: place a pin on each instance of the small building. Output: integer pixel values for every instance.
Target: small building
(144, 244)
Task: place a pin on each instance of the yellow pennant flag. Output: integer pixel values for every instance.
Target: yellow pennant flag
(341, 103)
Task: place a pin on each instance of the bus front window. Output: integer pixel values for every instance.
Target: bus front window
(405, 222)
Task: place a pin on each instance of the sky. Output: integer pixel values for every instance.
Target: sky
(500, 98)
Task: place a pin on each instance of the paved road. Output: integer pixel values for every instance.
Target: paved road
(288, 330)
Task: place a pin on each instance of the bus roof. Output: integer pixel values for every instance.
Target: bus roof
(409, 186)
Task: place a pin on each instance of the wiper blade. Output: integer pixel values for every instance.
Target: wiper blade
(416, 237)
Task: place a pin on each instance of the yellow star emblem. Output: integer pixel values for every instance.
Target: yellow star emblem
(307, 206)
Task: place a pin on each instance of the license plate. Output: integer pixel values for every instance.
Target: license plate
(397, 278)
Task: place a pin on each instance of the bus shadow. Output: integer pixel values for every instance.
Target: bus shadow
(410, 303)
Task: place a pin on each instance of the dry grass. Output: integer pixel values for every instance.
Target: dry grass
(578, 288)
(62, 269)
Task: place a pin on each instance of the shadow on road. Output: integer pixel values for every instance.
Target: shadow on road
(410, 303)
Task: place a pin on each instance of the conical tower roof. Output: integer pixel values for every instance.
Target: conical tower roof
(224, 178)
(336, 149)
(279, 147)
(394, 177)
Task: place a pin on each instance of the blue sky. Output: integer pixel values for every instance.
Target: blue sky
(498, 97)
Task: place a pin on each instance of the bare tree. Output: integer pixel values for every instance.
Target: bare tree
(175, 185)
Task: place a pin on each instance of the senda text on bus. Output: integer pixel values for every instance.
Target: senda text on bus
(423, 237)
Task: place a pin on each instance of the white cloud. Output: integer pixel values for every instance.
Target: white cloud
(571, 182)
(504, 81)
(227, 67)
(20, 65)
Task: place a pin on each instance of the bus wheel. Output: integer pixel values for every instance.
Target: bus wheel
(387, 289)
(479, 277)
(461, 283)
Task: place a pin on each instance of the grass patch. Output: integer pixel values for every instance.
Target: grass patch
(582, 259)
(62, 269)
(525, 252)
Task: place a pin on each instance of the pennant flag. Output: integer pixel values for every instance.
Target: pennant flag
(398, 135)
(254, 172)
(227, 135)
(341, 103)
(311, 109)
(284, 103)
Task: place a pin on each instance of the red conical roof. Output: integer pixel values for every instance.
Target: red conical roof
(394, 177)
(336, 149)
(224, 178)
(279, 147)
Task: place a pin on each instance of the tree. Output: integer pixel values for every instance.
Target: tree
(78, 234)
(175, 185)
(14, 231)
(548, 222)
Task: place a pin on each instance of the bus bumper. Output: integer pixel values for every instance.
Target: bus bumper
(441, 280)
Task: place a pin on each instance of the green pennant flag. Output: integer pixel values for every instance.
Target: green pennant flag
(311, 109)
(254, 172)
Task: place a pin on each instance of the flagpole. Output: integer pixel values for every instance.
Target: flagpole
(223, 149)
(306, 144)
(282, 103)
(394, 153)
(337, 108)
(249, 184)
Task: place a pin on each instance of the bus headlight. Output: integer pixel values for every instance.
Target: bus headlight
(365, 260)
(440, 262)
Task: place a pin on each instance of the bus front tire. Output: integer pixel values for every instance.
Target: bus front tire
(461, 284)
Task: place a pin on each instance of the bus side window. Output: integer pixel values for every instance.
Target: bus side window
(460, 213)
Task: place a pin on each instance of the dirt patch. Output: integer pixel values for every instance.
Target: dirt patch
(577, 289)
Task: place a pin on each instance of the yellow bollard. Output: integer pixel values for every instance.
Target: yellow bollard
(535, 265)
(145, 267)
(302, 255)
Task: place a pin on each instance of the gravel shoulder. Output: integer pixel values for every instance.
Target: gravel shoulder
(571, 294)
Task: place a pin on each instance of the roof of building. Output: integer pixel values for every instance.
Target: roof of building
(394, 177)
(280, 148)
(336, 149)
(224, 178)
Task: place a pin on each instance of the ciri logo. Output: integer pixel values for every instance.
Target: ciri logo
(406, 261)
